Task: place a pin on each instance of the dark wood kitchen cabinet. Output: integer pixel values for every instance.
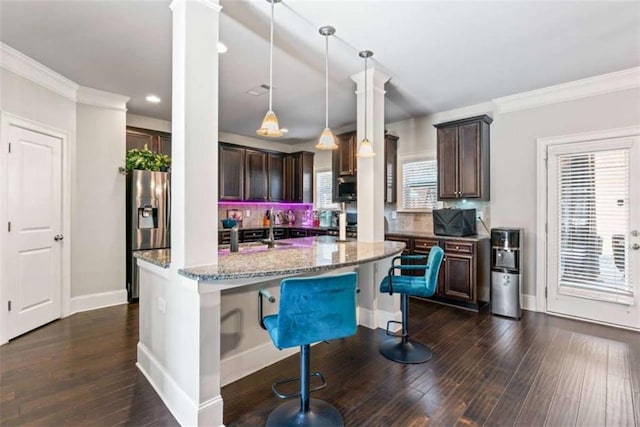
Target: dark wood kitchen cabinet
(344, 157)
(277, 167)
(156, 141)
(463, 159)
(256, 184)
(390, 168)
(463, 279)
(302, 177)
(230, 172)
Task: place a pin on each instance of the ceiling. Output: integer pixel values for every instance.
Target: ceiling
(440, 55)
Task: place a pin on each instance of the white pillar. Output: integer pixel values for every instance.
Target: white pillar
(194, 133)
(371, 170)
(192, 355)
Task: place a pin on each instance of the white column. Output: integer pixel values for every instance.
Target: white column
(377, 308)
(194, 133)
(371, 170)
(192, 351)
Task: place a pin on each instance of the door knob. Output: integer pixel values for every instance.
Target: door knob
(635, 246)
(58, 237)
(634, 233)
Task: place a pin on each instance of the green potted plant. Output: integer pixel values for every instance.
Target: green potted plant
(146, 159)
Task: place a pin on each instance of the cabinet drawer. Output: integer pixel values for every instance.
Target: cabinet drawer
(252, 235)
(224, 237)
(297, 233)
(424, 245)
(459, 247)
(316, 233)
(279, 234)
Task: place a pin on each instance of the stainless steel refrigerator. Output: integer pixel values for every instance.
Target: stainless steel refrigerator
(148, 219)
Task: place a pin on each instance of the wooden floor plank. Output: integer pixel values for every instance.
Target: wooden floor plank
(593, 401)
(81, 371)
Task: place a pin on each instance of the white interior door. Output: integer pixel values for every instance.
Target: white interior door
(593, 218)
(33, 248)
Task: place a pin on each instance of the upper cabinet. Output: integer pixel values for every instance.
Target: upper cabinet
(344, 157)
(302, 177)
(231, 172)
(278, 175)
(463, 159)
(249, 174)
(156, 141)
(256, 183)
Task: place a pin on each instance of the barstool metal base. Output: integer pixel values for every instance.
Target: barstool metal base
(405, 351)
(320, 414)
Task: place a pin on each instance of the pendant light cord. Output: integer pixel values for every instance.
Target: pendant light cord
(365, 97)
(326, 85)
(271, 63)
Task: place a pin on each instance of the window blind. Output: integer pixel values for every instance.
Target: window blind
(324, 189)
(419, 185)
(593, 191)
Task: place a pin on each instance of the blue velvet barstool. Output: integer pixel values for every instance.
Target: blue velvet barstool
(312, 309)
(404, 350)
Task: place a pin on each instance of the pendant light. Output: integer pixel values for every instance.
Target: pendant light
(365, 149)
(327, 140)
(270, 127)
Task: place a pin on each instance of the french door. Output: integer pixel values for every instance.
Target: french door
(593, 193)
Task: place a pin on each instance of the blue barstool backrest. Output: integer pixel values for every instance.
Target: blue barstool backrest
(431, 274)
(315, 309)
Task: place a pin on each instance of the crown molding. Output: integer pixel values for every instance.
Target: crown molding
(20, 64)
(598, 85)
(102, 99)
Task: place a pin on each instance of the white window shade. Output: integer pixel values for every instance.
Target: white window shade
(593, 219)
(324, 189)
(420, 185)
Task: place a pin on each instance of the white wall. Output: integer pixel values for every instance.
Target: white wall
(98, 217)
(513, 156)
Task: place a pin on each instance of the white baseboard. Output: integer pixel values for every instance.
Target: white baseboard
(183, 408)
(101, 300)
(377, 319)
(529, 302)
(242, 364)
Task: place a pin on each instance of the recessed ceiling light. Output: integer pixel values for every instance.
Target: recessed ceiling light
(152, 98)
(222, 48)
(284, 130)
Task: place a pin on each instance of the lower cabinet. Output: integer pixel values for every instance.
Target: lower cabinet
(463, 279)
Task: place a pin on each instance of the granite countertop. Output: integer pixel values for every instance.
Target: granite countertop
(159, 257)
(430, 235)
(290, 256)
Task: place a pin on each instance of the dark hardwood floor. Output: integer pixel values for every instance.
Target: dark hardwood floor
(486, 371)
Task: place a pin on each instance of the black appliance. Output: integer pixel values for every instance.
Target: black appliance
(454, 222)
(506, 271)
(346, 189)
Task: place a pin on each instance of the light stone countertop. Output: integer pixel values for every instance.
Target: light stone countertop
(290, 256)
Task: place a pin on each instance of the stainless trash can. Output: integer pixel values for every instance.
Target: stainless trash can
(506, 272)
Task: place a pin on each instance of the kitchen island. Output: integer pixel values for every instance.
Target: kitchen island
(200, 324)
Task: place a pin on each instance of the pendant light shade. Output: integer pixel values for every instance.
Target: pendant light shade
(270, 127)
(365, 149)
(327, 140)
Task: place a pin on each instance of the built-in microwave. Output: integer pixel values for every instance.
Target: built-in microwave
(346, 189)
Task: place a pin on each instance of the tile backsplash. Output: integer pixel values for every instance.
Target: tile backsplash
(423, 221)
(257, 212)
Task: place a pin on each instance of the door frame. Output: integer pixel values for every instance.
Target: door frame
(6, 121)
(541, 215)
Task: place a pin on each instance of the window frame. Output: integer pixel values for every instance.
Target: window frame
(412, 158)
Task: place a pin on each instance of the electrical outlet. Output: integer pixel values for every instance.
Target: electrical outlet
(162, 305)
(394, 214)
(247, 213)
(480, 215)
